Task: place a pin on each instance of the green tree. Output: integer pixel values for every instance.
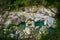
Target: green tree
(4, 4)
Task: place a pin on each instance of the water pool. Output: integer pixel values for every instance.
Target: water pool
(40, 24)
(22, 26)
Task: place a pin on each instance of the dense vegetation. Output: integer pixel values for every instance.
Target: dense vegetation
(13, 4)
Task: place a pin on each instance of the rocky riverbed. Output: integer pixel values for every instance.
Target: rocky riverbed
(28, 16)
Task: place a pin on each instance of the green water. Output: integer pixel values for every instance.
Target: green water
(39, 23)
(22, 26)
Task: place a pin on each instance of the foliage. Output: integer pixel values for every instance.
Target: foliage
(18, 3)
